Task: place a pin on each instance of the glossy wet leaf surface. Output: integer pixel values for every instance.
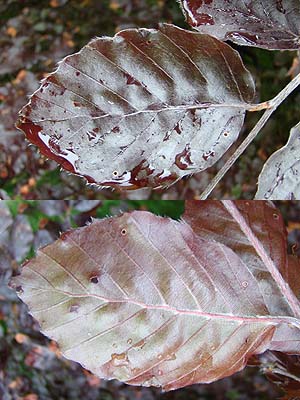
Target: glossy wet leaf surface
(144, 108)
(269, 24)
(156, 304)
(280, 177)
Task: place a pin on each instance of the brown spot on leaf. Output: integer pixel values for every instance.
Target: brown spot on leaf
(205, 19)
(119, 359)
(194, 5)
(55, 146)
(208, 155)
(131, 80)
(32, 131)
(94, 279)
(116, 129)
(74, 308)
(140, 344)
(280, 7)
(140, 174)
(183, 159)
(19, 289)
(167, 136)
(178, 128)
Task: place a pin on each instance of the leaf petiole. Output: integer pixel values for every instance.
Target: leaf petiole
(270, 106)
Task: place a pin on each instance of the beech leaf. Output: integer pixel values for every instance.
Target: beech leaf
(213, 221)
(269, 24)
(143, 108)
(154, 304)
(280, 176)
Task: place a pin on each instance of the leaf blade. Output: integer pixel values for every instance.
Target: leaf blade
(117, 309)
(279, 178)
(272, 25)
(138, 109)
(213, 221)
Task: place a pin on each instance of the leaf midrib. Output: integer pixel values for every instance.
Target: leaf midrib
(272, 320)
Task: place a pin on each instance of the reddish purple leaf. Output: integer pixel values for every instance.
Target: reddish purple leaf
(146, 300)
(212, 221)
(143, 108)
(270, 24)
(280, 176)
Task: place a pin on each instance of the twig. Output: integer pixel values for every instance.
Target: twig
(279, 371)
(270, 107)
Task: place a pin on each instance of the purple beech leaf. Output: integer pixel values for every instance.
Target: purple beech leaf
(269, 24)
(280, 176)
(145, 300)
(143, 108)
(211, 220)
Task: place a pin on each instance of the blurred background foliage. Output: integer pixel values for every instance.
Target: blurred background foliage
(36, 34)
(31, 366)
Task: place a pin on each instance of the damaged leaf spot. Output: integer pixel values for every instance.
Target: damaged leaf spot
(74, 308)
(205, 19)
(119, 360)
(19, 289)
(183, 159)
(94, 279)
